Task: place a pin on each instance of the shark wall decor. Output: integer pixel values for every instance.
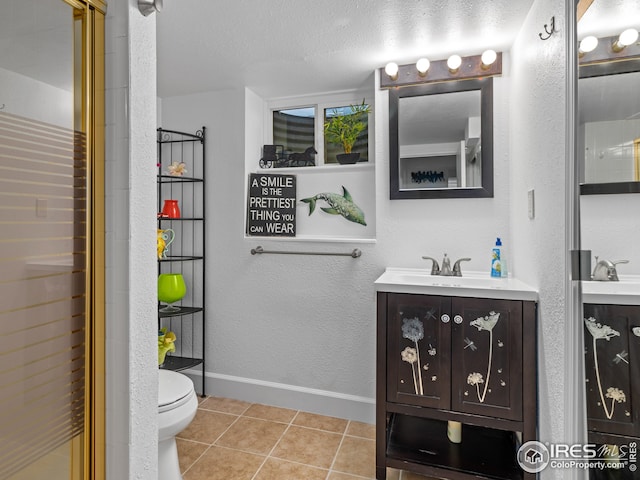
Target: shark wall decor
(338, 205)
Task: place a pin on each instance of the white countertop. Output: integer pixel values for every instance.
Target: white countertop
(624, 292)
(471, 284)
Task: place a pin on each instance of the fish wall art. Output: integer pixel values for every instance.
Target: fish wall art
(338, 205)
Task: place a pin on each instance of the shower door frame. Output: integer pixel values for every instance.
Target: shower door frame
(88, 450)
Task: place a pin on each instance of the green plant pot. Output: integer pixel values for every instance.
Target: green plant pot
(348, 158)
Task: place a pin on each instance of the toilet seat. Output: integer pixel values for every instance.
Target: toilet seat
(174, 390)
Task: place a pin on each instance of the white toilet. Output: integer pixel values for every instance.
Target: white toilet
(177, 405)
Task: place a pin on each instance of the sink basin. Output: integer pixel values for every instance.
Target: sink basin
(436, 280)
(471, 284)
(624, 292)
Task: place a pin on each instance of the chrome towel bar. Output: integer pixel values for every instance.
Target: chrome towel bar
(354, 254)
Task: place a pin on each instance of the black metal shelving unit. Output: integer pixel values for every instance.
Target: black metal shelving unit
(186, 253)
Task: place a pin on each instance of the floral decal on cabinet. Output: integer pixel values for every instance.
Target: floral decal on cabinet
(600, 331)
(486, 324)
(413, 329)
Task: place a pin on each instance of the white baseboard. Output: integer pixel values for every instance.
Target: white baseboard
(322, 402)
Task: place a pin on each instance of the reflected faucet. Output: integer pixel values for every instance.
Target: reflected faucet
(605, 270)
(446, 266)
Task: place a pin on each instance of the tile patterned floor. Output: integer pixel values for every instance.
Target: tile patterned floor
(235, 440)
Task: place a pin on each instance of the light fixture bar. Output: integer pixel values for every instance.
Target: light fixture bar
(471, 67)
(605, 52)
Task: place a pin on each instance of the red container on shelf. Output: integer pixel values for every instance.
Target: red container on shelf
(171, 209)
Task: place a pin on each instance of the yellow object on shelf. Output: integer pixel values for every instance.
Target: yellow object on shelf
(166, 343)
(454, 431)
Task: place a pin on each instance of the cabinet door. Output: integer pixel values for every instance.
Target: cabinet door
(418, 350)
(487, 357)
(612, 368)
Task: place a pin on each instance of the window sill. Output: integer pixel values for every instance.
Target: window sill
(327, 168)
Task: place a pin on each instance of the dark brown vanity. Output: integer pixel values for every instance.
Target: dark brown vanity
(454, 357)
(612, 372)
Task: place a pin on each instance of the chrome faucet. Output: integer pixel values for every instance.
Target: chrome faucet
(456, 266)
(605, 270)
(446, 266)
(435, 268)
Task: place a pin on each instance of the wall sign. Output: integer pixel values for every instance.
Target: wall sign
(271, 206)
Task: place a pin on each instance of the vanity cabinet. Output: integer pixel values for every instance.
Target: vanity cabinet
(463, 359)
(612, 370)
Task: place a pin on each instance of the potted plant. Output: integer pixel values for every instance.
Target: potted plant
(345, 128)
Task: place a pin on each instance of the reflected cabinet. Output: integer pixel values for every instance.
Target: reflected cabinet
(612, 381)
(468, 360)
(181, 226)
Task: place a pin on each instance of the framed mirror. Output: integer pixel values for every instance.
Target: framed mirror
(609, 127)
(441, 140)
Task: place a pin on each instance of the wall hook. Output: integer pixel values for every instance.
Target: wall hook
(549, 29)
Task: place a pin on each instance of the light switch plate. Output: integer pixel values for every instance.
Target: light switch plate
(531, 204)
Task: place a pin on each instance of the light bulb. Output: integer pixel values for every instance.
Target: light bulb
(488, 57)
(391, 69)
(422, 66)
(588, 44)
(625, 39)
(454, 62)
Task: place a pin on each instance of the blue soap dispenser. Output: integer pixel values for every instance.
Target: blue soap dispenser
(496, 259)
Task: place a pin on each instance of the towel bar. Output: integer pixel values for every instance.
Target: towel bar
(354, 254)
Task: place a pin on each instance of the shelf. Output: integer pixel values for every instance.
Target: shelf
(187, 255)
(180, 258)
(182, 312)
(484, 452)
(177, 179)
(179, 363)
(181, 219)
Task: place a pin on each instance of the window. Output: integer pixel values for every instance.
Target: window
(296, 131)
(360, 136)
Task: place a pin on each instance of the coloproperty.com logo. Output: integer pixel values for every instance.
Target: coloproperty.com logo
(534, 456)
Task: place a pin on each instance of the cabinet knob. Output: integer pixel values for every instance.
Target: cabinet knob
(445, 318)
(457, 319)
(636, 331)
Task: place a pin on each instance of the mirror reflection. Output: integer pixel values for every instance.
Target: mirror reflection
(444, 150)
(440, 140)
(609, 123)
(608, 97)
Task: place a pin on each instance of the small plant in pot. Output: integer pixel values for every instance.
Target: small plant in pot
(345, 128)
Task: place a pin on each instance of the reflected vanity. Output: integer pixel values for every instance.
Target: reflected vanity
(441, 140)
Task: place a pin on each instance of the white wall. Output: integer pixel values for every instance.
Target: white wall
(131, 308)
(538, 119)
(609, 150)
(35, 99)
(611, 230)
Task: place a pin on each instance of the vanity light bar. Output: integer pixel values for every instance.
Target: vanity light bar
(438, 71)
(610, 49)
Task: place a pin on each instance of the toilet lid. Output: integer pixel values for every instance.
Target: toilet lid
(172, 387)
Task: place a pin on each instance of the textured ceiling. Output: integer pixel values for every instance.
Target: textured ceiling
(295, 47)
(292, 47)
(606, 18)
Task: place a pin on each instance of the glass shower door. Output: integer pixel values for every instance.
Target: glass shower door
(45, 233)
